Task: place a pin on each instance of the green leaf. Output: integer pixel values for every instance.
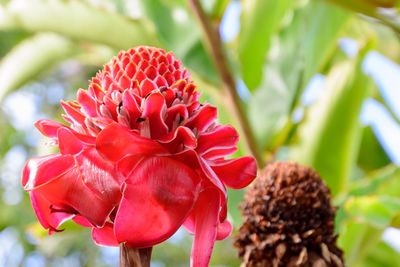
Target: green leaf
(302, 49)
(7, 131)
(259, 22)
(361, 6)
(375, 9)
(30, 58)
(357, 240)
(269, 108)
(378, 211)
(381, 255)
(235, 198)
(329, 138)
(385, 181)
(179, 32)
(9, 39)
(78, 21)
(392, 186)
(321, 39)
(371, 155)
(161, 15)
(218, 8)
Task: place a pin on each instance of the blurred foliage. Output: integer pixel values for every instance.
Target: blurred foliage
(337, 111)
(50, 48)
(371, 156)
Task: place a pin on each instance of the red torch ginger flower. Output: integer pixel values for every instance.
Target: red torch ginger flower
(140, 158)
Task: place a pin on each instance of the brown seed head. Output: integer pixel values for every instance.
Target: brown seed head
(289, 220)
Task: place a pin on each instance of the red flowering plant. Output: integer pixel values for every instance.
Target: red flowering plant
(140, 158)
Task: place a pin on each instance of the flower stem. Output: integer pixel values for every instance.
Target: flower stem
(216, 48)
(132, 257)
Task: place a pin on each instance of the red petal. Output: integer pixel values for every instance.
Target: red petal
(154, 107)
(169, 96)
(102, 122)
(128, 164)
(130, 103)
(88, 103)
(151, 72)
(219, 153)
(124, 82)
(49, 128)
(160, 81)
(73, 112)
(69, 192)
(205, 227)
(116, 142)
(181, 138)
(191, 158)
(100, 175)
(211, 175)
(221, 137)
(104, 236)
(79, 219)
(224, 230)
(140, 76)
(41, 170)
(203, 118)
(179, 85)
(48, 219)
(146, 86)
(68, 142)
(95, 89)
(175, 110)
(110, 107)
(74, 186)
(236, 173)
(130, 69)
(157, 198)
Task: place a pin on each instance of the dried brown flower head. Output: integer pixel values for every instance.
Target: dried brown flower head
(289, 220)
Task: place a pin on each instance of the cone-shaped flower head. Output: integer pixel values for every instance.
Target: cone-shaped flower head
(140, 158)
(289, 220)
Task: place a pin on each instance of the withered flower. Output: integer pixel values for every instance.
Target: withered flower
(288, 220)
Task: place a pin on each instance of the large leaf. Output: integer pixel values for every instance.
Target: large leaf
(269, 108)
(259, 22)
(9, 39)
(306, 45)
(367, 7)
(371, 155)
(329, 138)
(375, 9)
(378, 211)
(372, 207)
(179, 32)
(78, 21)
(321, 39)
(30, 58)
(6, 134)
(357, 240)
(302, 49)
(218, 8)
(385, 181)
(381, 255)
